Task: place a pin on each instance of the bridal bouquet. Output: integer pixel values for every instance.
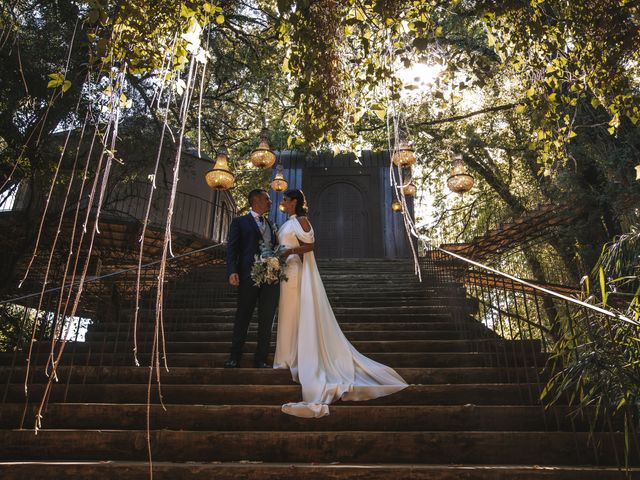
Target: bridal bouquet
(269, 266)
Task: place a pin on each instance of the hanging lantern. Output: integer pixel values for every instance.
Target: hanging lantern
(279, 184)
(409, 190)
(220, 177)
(459, 181)
(403, 155)
(396, 206)
(263, 157)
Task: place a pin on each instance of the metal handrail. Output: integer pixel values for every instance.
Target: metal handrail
(542, 289)
(107, 275)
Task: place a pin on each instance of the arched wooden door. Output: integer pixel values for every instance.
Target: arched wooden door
(342, 223)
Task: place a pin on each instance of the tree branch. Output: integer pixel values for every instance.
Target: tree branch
(455, 118)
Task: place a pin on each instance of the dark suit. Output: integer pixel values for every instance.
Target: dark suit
(243, 243)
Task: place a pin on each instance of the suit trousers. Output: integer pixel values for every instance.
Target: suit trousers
(267, 297)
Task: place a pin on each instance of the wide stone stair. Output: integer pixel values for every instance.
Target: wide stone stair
(471, 412)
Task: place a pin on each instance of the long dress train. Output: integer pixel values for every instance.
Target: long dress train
(311, 344)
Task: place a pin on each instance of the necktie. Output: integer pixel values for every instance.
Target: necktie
(261, 225)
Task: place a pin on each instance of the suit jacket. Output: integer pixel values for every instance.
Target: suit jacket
(243, 243)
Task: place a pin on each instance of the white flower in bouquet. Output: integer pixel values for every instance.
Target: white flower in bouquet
(268, 266)
(273, 263)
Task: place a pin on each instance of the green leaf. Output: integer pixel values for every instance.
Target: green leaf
(220, 19)
(66, 85)
(491, 40)
(380, 114)
(57, 79)
(521, 108)
(186, 11)
(603, 285)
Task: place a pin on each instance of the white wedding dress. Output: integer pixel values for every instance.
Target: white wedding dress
(311, 344)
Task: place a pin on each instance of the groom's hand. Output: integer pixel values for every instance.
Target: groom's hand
(234, 279)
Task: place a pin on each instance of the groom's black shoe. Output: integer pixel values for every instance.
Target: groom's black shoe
(261, 364)
(231, 363)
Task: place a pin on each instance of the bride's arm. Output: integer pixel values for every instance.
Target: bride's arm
(303, 248)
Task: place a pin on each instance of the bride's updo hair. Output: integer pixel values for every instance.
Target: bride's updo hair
(301, 204)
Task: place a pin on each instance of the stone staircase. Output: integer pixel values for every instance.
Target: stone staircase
(471, 411)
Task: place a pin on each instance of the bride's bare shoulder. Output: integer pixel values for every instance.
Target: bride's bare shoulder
(304, 223)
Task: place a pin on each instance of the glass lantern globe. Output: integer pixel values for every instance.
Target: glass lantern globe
(220, 177)
(279, 184)
(460, 181)
(396, 206)
(263, 157)
(403, 155)
(409, 190)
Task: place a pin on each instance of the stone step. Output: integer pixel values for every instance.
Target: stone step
(117, 470)
(395, 360)
(336, 303)
(387, 346)
(114, 416)
(187, 316)
(516, 448)
(344, 288)
(445, 394)
(382, 326)
(224, 291)
(208, 336)
(252, 376)
(364, 310)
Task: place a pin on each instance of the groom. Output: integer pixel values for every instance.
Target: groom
(245, 235)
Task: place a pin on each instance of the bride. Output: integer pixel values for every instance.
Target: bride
(310, 342)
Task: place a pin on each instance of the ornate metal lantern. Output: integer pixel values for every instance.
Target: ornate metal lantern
(263, 157)
(396, 206)
(279, 184)
(220, 177)
(403, 154)
(459, 181)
